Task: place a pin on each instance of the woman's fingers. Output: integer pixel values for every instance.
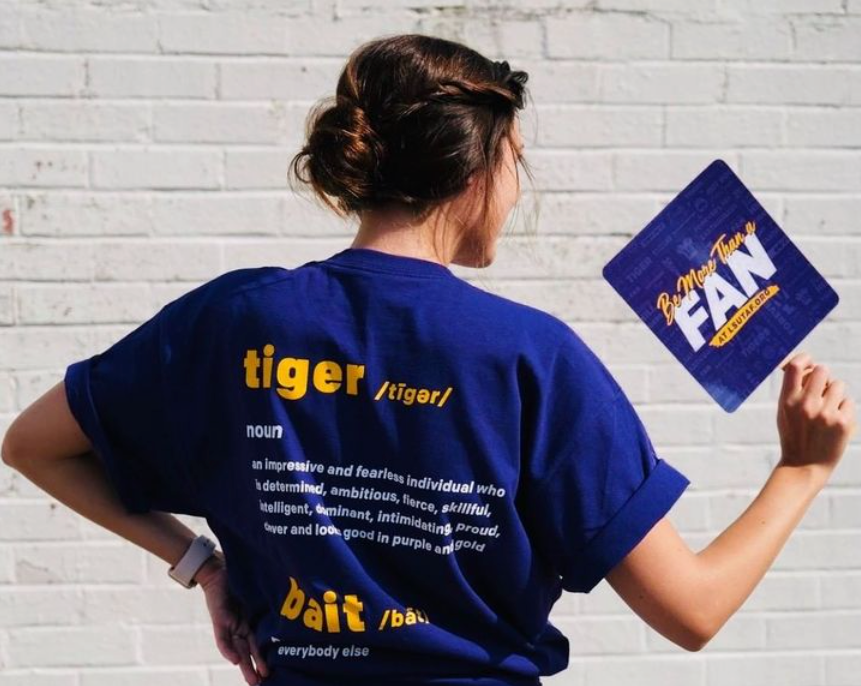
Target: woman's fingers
(241, 643)
(224, 641)
(847, 408)
(834, 394)
(816, 383)
(262, 667)
(794, 371)
(238, 647)
(801, 359)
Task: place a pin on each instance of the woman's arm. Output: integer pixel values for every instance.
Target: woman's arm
(45, 444)
(735, 562)
(688, 596)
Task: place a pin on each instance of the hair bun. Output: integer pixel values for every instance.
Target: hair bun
(413, 119)
(345, 152)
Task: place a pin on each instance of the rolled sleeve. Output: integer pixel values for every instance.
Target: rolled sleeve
(593, 484)
(646, 507)
(118, 468)
(128, 408)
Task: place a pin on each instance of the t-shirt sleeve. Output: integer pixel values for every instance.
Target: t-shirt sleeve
(594, 486)
(123, 400)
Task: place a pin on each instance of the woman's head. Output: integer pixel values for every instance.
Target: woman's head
(423, 131)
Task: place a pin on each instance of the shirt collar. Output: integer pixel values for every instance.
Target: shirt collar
(377, 260)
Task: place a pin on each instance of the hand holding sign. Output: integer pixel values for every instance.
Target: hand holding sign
(815, 417)
(721, 285)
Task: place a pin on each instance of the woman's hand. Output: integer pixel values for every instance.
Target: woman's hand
(815, 417)
(233, 636)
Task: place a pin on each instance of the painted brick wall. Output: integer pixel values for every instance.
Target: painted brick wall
(143, 150)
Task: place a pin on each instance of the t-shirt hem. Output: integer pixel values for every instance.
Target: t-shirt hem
(291, 678)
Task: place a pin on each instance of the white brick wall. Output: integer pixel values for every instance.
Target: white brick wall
(143, 150)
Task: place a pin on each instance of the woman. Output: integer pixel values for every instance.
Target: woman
(403, 471)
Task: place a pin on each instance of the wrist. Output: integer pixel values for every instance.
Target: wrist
(813, 475)
(209, 569)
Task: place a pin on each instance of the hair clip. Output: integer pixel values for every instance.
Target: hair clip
(501, 69)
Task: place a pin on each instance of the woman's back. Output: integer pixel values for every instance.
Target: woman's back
(372, 439)
(404, 472)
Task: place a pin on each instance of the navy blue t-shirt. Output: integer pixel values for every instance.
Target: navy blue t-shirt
(403, 470)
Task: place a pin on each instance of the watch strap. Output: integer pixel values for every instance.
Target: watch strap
(197, 553)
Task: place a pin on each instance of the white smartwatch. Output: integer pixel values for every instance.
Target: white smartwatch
(200, 550)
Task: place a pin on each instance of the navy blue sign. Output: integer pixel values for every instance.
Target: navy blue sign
(721, 285)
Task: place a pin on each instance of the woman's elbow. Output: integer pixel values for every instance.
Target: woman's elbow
(45, 430)
(11, 450)
(697, 641)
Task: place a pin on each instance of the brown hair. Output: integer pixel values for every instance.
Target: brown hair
(412, 118)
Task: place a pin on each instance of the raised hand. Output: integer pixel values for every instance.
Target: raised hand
(815, 416)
